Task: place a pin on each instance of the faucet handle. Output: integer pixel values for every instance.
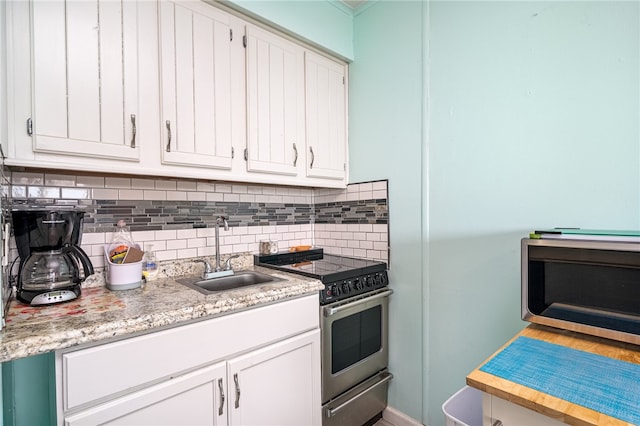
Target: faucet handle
(207, 266)
(227, 263)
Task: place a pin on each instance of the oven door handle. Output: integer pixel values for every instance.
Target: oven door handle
(349, 305)
(333, 411)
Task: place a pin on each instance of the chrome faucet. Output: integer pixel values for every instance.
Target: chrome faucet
(210, 272)
(219, 220)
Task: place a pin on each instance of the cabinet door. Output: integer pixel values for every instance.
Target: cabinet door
(84, 78)
(326, 95)
(196, 67)
(197, 398)
(275, 97)
(277, 385)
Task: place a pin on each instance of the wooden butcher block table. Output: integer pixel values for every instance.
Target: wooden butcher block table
(571, 377)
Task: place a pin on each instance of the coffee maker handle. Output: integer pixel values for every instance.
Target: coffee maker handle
(78, 253)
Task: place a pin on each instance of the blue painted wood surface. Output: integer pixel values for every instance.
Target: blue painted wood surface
(603, 384)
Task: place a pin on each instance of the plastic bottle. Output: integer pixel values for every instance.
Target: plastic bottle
(149, 263)
(120, 242)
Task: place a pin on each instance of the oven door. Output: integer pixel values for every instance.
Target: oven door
(354, 341)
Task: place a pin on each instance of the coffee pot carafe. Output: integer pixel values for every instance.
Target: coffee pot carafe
(52, 264)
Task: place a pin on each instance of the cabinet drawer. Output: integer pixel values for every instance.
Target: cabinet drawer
(113, 369)
(509, 414)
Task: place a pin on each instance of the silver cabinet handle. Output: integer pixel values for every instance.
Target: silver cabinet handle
(313, 157)
(133, 130)
(497, 423)
(349, 305)
(221, 408)
(295, 159)
(235, 379)
(168, 124)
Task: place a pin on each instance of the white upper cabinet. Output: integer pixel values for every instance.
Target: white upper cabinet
(85, 78)
(175, 88)
(196, 84)
(326, 116)
(275, 103)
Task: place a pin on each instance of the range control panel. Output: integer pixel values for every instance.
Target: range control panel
(355, 286)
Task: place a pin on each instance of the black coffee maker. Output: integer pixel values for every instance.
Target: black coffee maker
(52, 264)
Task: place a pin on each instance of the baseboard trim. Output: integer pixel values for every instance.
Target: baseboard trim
(398, 418)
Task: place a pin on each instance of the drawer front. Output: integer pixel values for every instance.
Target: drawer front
(109, 370)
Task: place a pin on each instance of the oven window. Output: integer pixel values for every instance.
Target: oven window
(355, 338)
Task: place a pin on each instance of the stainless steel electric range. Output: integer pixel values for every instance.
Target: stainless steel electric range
(354, 315)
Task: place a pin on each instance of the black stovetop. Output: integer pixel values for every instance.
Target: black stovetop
(315, 264)
(342, 276)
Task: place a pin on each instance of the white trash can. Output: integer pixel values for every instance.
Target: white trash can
(464, 408)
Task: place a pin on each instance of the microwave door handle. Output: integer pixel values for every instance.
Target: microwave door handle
(335, 310)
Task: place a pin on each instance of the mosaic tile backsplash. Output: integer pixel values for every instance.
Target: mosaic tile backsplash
(178, 216)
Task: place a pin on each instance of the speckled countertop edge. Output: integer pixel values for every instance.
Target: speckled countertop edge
(100, 314)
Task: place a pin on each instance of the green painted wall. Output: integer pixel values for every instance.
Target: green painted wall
(489, 119)
(3, 125)
(327, 23)
(386, 142)
(531, 119)
(30, 399)
(533, 123)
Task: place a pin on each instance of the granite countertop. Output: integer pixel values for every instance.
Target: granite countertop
(579, 380)
(100, 314)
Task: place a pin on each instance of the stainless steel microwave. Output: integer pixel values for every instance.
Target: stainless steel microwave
(588, 286)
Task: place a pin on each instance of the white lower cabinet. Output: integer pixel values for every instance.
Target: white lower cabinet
(275, 385)
(184, 400)
(256, 367)
(500, 412)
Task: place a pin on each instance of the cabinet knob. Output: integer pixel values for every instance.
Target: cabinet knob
(497, 423)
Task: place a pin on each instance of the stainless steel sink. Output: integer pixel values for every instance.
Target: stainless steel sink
(230, 282)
